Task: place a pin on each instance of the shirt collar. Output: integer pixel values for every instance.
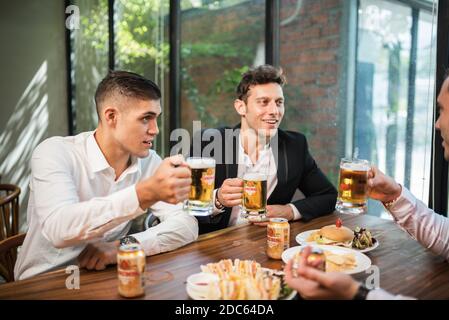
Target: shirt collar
(245, 159)
(99, 163)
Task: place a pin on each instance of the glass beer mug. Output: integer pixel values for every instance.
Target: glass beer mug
(254, 202)
(200, 202)
(353, 186)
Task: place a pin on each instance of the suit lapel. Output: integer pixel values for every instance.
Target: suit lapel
(281, 164)
(232, 168)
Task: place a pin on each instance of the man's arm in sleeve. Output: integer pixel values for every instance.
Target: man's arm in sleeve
(320, 194)
(423, 224)
(380, 294)
(177, 228)
(65, 220)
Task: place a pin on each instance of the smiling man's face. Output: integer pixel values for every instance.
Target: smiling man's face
(264, 108)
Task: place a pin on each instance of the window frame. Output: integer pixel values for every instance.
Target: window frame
(438, 193)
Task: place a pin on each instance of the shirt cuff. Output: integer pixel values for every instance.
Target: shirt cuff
(381, 294)
(296, 214)
(216, 210)
(404, 204)
(148, 241)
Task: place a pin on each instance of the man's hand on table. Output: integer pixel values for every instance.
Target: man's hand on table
(96, 256)
(277, 211)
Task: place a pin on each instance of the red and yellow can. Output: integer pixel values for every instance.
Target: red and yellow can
(131, 270)
(278, 237)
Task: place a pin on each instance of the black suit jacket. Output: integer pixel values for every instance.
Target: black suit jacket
(296, 169)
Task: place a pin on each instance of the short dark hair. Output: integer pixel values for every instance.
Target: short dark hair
(261, 75)
(127, 84)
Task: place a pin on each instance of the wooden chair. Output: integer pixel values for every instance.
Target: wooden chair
(9, 210)
(9, 229)
(8, 255)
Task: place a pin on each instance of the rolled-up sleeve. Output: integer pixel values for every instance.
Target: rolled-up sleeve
(380, 294)
(177, 228)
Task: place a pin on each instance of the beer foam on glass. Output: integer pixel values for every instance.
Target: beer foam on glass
(254, 202)
(200, 202)
(353, 186)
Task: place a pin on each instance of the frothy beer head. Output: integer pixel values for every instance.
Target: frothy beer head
(254, 177)
(201, 163)
(254, 193)
(355, 166)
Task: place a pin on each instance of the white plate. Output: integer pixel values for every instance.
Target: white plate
(200, 292)
(363, 262)
(302, 237)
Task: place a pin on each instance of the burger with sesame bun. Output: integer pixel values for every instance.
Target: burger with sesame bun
(335, 235)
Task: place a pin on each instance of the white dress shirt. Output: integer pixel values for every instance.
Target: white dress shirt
(424, 225)
(266, 165)
(74, 199)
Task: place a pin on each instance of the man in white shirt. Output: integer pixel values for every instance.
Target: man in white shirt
(257, 145)
(85, 189)
(423, 224)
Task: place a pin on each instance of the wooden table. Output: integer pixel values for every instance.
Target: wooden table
(405, 267)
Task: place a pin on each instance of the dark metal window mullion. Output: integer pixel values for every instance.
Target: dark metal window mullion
(272, 29)
(411, 97)
(111, 34)
(71, 112)
(175, 65)
(439, 171)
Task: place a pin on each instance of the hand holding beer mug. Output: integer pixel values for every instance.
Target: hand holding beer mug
(202, 187)
(230, 192)
(254, 206)
(353, 186)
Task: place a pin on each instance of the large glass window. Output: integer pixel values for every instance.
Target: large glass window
(394, 91)
(360, 73)
(313, 55)
(361, 80)
(220, 40)
(89, 60)
(141, 46)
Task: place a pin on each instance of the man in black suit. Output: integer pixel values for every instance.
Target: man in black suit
(257, 143)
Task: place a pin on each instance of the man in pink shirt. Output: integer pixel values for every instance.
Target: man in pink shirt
(423, 224)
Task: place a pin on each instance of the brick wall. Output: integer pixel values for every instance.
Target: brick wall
(310, 48)
(237, 31)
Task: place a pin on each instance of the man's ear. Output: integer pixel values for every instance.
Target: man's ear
(110, 115)
(240, 107)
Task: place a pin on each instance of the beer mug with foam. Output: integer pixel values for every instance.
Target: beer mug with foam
(254, 202)
(200, 202)
(353, 186)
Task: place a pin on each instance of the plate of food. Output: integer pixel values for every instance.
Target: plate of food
(359, 239)
(338, 259)
(238, 280)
